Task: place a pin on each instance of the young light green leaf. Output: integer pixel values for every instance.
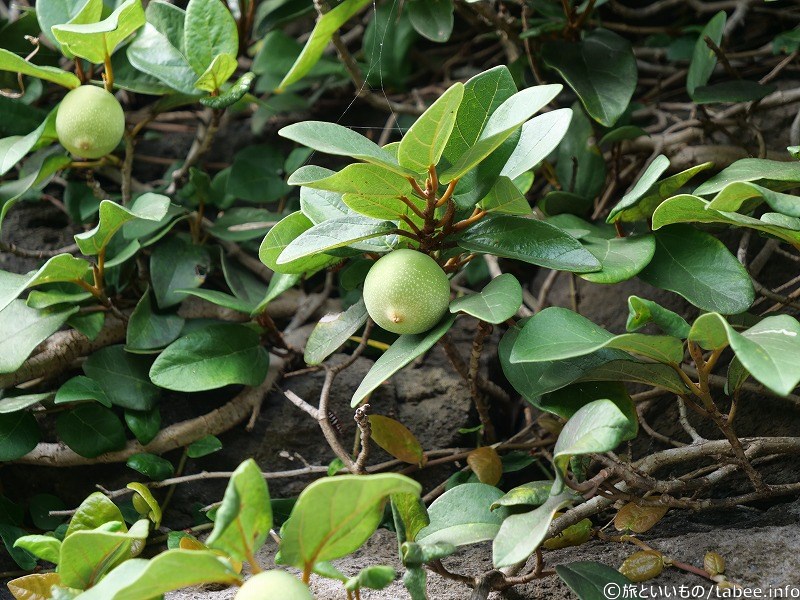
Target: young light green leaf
(217, 73)
(96, 510)
(601, 69)
(774, 173)
(320, 37)
(505, 198)
(422, 145)
(16, 64)
(42, 546)
(700, 268)
(768, 349)
(528, 240)
(96, 41)
(61, 268)
(22, 329)
(284, 233)
(539, 138)
(332, 331)
(58, 12)
(332, 138)
(149, 206)
(332, 234)
(335, 515)
(496, 303)
(14, 148)
(642, 312)
(504, 121)
(405, 349)
(462, 516)
(245, 517)
(210, 358)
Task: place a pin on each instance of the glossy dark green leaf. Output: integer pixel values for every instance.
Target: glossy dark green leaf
(700, 268)
(19, 434)
(738, 90)
(210, 358)
(123, 377)
(151, 466)
(580, 166)
(601, 69)
(150, 331)
(175, 265)
(40, 507)
(433, 19)
(592, 580)
(773, 174)
(203, 447)
(145, 425)
(91, 430)
(81, 389)
(530, 241)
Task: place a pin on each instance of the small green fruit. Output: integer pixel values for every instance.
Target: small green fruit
(274, 585)
(406, 292)
(90, 122)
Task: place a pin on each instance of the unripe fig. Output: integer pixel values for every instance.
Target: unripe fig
(274, 585)
(406, 291)
(90, 122)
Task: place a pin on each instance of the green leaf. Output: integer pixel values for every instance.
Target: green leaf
(504, 121)
(217, 73)
(621, 257)
(280, 236)
(640, 203)
(232, 95)
(642, 312)
(96, 41)
(558, 333)
(58, 12)
(22, 329)
(539, 138)
(521, 534)
(599, 426)
(244, 519)
(505, 198)
(38, 171)
(171, 570)
(203, 447)
(703, 59)
(95, 511)
(222, 299)
(11, 403)
(335, 139)
(209, 31)
(149, 331)
(700, 268)
(123, 377)
(422, 145)
(335, 515)
(376, 577)
(528, 240)
(158, 49)
(570, 399)
(738, 90)
(149, 207)
(145, 425)
(405, 349)
(653, 374)
(151, 466)
(19, 434)
(81, 389)
(42, 546)
(16, 64)
(768, 349)
(40, 507)
(461, 516)
(13, 149)
(772, 174)
(63, 267)
(91, 430)
(177, 264)
(742, 196)
(432, 19)
(601, 69)
(496, 303)
(153, 510)
(332, 331)
(88, 555)
(333, 234)
(324, 29)
(693, 209)
(211, 358)
(534, 493)
(9, 534)
(590, 580)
